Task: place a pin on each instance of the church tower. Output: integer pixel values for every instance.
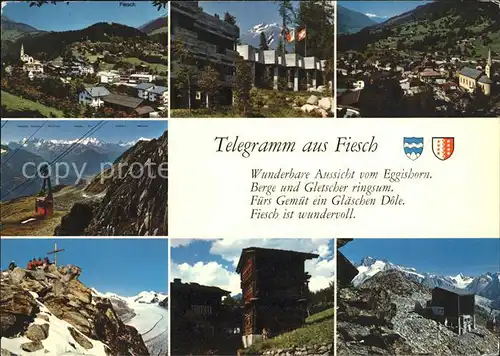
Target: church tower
(22, 51)
(488, 64)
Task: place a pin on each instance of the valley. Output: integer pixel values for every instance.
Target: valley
(440, 59)
(89, 186)
(105, 69)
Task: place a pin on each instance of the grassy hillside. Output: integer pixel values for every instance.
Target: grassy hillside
(156, 66)
(16, 103)
(319, 329)
(350, 21)
(467, 28)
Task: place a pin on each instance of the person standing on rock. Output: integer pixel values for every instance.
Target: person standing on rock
(12, 265)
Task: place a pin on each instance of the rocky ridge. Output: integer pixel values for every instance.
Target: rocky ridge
(51, 310)
(134, 204)
(381, 317)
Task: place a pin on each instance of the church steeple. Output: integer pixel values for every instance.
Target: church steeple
(488, 64)
(22, 51)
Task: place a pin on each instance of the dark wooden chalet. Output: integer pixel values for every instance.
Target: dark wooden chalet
(454, 303)
(454, 308)
(200, 323)
(275, 291)
(203, 301)
(345, 270)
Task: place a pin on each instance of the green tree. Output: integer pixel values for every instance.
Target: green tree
(263, 42)
(243, 87)
(186, 69)
(229, 18)
(287, 14)
(318, 19)
(230, 301)
(209, 84)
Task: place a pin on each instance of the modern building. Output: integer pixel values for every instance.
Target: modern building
(108, 77)
(210, 40)
(275, 291)
(472, 78)
(300, 73)
(141, 78)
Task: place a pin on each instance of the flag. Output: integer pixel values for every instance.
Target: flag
(290, 37)
(270, 40)
(301, 35)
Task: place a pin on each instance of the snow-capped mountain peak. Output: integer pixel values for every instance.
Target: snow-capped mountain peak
(132, 143)
(263, 27)
(252, 35)
(145, 297)
(486, 285)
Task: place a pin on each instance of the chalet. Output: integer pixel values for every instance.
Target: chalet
(122, 102)
(197, 315)
(93, 96)
(153, 93)
(455, 309)
(204, 301)
(345, 270)
(429, 75)
(275, 289)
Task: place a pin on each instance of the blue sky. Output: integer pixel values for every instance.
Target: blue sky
(80, 14)
(381, 10)
(450, 257)
(213, 262)
(112, 132)
(122, 266)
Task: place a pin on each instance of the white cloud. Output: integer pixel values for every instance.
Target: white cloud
(4, 3)
(180, 242)
(209, 273)
(375, 15)
(213, 273)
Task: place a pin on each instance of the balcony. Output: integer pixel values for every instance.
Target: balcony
(185, 33)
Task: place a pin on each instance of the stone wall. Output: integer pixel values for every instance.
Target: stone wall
(313, 350)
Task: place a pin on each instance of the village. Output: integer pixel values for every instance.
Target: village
(446, 86)
(128, 91)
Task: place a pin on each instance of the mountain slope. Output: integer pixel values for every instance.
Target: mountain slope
(52, 44)
(382, 317)
(486, 286)
(12, 173)
(158, 25)
(12, 30)
(134, 203)
(49, 311)
(8, 24)
(437, 25)
(350, 21)
(146, 313)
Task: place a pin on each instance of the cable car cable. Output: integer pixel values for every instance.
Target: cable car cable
(24, 143)
(62, 155)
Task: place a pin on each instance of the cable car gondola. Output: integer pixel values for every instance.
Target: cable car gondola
(44, 203)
